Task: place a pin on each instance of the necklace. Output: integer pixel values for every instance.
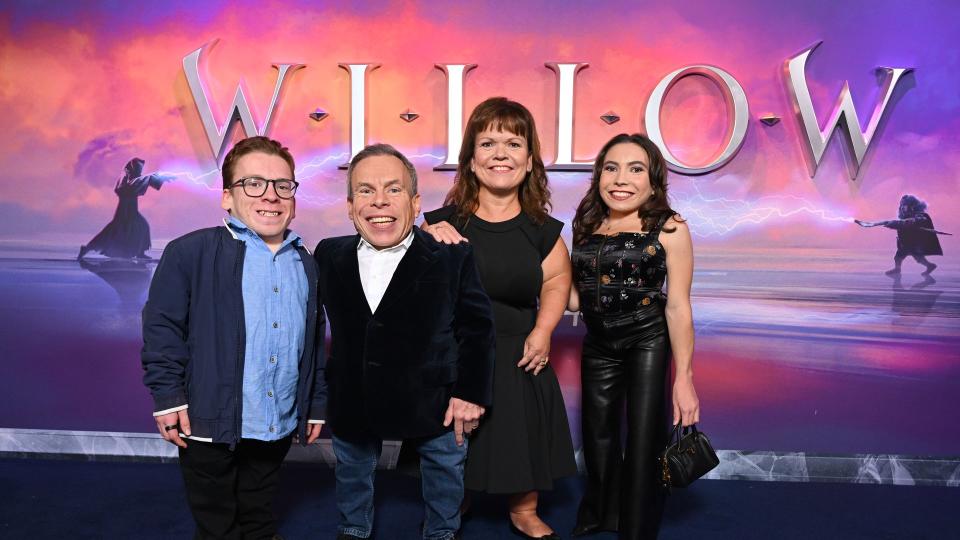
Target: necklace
(607, 229)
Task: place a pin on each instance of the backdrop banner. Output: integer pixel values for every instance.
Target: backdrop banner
(793, 131)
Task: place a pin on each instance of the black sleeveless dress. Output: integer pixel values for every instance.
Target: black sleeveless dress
(523, 442)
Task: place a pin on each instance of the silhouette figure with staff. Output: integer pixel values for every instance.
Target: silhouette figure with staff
(128, 233)
(916, 236)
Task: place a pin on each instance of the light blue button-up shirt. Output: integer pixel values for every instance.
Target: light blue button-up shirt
(275, 312)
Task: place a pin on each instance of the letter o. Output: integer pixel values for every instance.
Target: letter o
(736, 99)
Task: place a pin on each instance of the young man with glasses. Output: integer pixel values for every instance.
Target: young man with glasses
(233, 342)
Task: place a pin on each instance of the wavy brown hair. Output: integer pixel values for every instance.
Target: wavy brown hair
(592, 210)
(501, 114)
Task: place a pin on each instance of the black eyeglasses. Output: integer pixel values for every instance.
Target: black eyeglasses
(254, 186)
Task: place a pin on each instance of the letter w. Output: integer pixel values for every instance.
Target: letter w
(842, 110)
(218, 136)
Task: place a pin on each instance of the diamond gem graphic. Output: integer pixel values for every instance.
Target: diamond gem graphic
(318, 114)
(409, 116)
(770, 119)
(610, 117)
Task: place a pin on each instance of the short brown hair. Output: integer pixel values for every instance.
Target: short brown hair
(261, 144)
(380, 149)
(501, 114)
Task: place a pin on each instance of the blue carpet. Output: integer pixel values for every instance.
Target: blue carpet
(76, 499)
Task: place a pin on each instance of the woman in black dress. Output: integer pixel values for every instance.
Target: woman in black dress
(499, 202)
(627, 241)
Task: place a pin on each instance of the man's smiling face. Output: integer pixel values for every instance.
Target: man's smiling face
(383, 205)
(267, 215)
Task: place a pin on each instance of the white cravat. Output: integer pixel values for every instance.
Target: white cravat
(377, 267)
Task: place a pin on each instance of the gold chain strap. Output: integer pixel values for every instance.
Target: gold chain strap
(666, 471)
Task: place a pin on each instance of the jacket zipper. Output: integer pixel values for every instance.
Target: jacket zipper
(599, 280)
(304, 400)
(241, 343)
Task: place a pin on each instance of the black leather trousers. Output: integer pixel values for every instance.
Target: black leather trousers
(625, 365)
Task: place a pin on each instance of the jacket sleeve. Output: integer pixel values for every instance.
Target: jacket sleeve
(473, 326)
(165, 321)
(318, 399)
(918, 221)
(446, 213)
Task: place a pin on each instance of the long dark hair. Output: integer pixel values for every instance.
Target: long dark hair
(592, 210)
(501, 114)
(910, 206)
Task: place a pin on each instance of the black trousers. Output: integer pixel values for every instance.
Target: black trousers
(625, 365)
(231, 492)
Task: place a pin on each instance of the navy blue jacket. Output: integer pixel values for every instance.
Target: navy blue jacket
(391, 373)
(194, 336)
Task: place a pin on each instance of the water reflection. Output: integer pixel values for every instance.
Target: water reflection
(129, 278)
(914, 300)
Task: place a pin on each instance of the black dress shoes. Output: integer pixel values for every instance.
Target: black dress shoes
(525, 536)
(583, 530)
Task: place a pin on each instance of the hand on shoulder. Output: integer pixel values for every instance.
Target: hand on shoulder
(443, 232)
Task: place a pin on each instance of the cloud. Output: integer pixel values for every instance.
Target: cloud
(102, 157)
(918, 142)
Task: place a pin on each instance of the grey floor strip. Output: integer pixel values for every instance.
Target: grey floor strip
(734, 464)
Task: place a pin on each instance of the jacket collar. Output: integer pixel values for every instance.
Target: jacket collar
(421, 254)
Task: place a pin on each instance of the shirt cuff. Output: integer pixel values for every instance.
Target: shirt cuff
(168, 411)
(316, 421)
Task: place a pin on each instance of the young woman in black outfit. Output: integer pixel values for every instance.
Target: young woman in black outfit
(627, 242)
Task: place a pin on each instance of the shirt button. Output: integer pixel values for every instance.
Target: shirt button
(269, 393)
(276, 325)
(271, 429)
(276, 289)
(273, 359)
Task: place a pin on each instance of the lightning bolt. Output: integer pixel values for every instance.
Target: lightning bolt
(426, 155)
(317, 162)
(710, 215)
(719, 216)
(199, 180)
(312, 168)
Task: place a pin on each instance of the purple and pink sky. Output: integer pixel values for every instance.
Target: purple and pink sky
(86, 86)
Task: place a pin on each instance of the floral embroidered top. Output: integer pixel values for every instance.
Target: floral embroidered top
(621, 273)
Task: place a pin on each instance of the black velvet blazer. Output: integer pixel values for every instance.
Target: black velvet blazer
(391, 374)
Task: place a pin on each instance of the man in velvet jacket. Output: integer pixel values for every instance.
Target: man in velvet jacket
(412, 345)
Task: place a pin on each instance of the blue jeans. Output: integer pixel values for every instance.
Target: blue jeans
(441, 472)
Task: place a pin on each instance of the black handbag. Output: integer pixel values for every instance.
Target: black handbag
(688, 456)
